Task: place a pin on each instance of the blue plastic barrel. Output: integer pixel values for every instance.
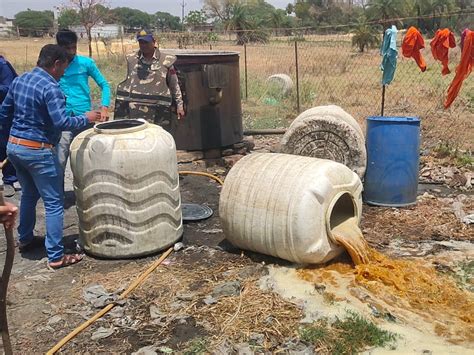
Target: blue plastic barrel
(393, 145)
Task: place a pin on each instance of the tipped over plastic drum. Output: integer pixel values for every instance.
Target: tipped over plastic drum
(393, 150)
(288, 206)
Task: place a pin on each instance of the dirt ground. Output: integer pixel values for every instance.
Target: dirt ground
(210, 297)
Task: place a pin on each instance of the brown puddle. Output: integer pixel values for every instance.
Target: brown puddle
(403, 284)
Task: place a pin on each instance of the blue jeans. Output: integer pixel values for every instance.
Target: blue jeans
(40, 175)
(64, 144)
(63, 147)
(8, 171)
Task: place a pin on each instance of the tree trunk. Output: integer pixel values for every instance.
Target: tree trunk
(89, 39)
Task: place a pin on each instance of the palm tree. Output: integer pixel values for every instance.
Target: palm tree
(386, 9)
(433, 8)
(248, 28)
(364, 36)
(277, 19)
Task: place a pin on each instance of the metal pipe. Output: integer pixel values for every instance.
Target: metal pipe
(383, 101)
(297, 78)
(264, 132)
(245, 67)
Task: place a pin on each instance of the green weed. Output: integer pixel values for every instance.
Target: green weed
(464, 274)
(465, 160)
(347, 336)
(196, 346)
(461, 158)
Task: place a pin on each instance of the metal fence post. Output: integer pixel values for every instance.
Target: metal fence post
(245, 66)
(297, 78)
(97, 48)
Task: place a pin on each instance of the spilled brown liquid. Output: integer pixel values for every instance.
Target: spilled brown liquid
(350, 237)
(406, 285)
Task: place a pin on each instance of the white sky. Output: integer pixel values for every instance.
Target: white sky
(9, 8)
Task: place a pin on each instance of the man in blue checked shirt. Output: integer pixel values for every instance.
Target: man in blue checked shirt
(75, 85)
(35, 109)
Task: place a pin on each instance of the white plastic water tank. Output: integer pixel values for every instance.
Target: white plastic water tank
(286, 205)
(327, 132)
(127, 188)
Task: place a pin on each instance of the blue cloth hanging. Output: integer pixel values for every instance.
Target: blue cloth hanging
(389, 53)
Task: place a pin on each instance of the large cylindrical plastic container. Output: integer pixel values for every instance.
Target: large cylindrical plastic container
(127, 189)
(287, 206)
(393, 150)
(327, 132)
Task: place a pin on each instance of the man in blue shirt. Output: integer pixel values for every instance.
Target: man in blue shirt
(75, 86)
(7, 74)
(35, 109)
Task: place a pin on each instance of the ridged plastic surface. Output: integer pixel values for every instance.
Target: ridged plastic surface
(281, 205)
(127, 190)
(327, 132)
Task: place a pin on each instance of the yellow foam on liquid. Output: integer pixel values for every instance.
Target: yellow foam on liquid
(407, 284)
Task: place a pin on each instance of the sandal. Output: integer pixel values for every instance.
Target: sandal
(66, 260)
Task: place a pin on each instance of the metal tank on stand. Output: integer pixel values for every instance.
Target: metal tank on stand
(210, 83)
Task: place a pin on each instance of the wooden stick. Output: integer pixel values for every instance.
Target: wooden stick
(7, 268)
(3, 163)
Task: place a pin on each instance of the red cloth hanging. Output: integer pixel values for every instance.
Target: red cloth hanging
(412, 43)
(463, 69)
(463, 36)
(440, 44)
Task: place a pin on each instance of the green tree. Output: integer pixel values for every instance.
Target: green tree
(386, 9)
(435, 9)
(132, 18)
(68, 17)
(106, 14)
(307, 11)
(220, 10)
(195, 18)
(167, 22)
(91, 12)
(364, 37)
(278, 19)
(290, 8)
(247, 27)
(34, 23)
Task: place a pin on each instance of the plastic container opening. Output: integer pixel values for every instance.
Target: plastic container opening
(120, 124)
(342, 210)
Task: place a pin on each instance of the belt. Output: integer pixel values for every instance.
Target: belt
(28, 143)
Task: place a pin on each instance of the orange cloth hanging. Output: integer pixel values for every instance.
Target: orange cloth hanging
(463, 69)
(440, 44)
(412, 43)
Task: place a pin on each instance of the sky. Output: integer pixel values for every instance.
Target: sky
(9, 8)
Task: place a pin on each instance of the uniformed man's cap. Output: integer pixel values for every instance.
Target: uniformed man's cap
(145, 35)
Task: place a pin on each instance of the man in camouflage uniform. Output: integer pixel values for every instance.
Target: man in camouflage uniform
(151, 87)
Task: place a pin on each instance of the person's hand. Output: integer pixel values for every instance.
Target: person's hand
(8, 215)
(180, 112)
(93, 116)
(104, 114)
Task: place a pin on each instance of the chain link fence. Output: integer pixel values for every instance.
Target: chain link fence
(310, 70)
(315, 70)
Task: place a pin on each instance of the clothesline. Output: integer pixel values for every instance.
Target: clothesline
(412, 45)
